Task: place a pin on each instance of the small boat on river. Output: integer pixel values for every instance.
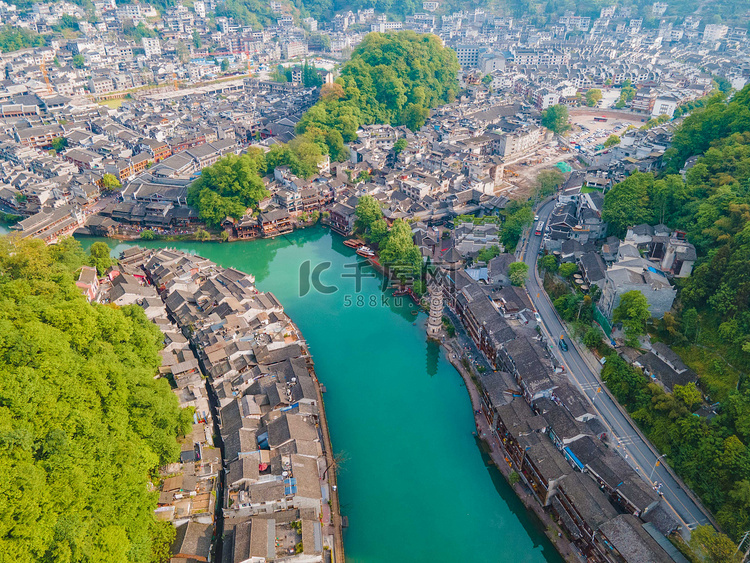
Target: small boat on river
(365, 251)
(354, 243)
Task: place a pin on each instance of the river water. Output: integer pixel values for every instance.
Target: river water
(414, 483)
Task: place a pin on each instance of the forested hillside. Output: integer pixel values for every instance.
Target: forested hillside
(391, 78)
(712, 205)
(84, 422)
(711, 329)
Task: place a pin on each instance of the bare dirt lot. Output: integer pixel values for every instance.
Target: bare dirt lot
(520, 175)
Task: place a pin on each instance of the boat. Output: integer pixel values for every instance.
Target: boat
(353, 243)
(365, 251)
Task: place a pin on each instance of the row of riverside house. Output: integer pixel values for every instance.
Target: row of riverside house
(551, 437)
(232, 351)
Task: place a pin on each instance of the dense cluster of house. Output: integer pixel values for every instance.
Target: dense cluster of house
(191, 42)
(235, 357)
(153, 148)
(646, 260)
(158, 140)
(452, 166)
(550, 434)
(669, 64)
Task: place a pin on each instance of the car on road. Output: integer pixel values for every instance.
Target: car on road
(536, 217)
(563, 345)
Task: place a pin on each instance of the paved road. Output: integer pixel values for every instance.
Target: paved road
(623, 435)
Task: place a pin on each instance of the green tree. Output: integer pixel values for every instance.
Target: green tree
(59, 144)
(379, 84)
(517, 217)
(555, 119)
(163, 534)
(549, 263)
(68, 22)
(400, 145)
(633, 313)
(78, 61)
(368, 214)
(138, 32)
(626, 384)
(568, 269)
(378, 231)
(547, 181)
(230, 187)
(13, 38)
(99, 257)
(310, 76)
(611, 141)
(688, 394)
(303, 154)
(399, 253)
(593, 96)
(224, 65)
(592, 338)
(710, 546)
(690, 323)
(110, 182)
(487, 254)
(202, 235)
(196, 39)
(517, 273)
(148, 234)
(487, 79)
(628, 203)
(415, 116)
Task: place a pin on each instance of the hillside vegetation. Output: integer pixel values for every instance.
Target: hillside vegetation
(392, 78)
(711, 328)
(84, 422)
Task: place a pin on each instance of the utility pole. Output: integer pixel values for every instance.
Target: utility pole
(739, 545)
(654, 467)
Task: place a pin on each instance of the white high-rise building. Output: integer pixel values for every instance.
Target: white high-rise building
(151, 47)
(714, 32)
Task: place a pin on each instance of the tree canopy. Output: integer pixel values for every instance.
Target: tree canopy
(15, 38)
(399, 253)
(555, 119)
(517, 273)
(611, 141)
(391, 78)
(633, 313)
(230, 187)
(84, 421)
(593, 96)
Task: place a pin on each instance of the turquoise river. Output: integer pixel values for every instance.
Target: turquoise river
(414, 482)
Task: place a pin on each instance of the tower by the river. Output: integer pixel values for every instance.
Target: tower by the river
(435, 322)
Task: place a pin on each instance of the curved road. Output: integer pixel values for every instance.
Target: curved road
(641, 455)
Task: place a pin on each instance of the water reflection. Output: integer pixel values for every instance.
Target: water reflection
(433, 353)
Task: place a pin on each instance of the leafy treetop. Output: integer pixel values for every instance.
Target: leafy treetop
(84, 420)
